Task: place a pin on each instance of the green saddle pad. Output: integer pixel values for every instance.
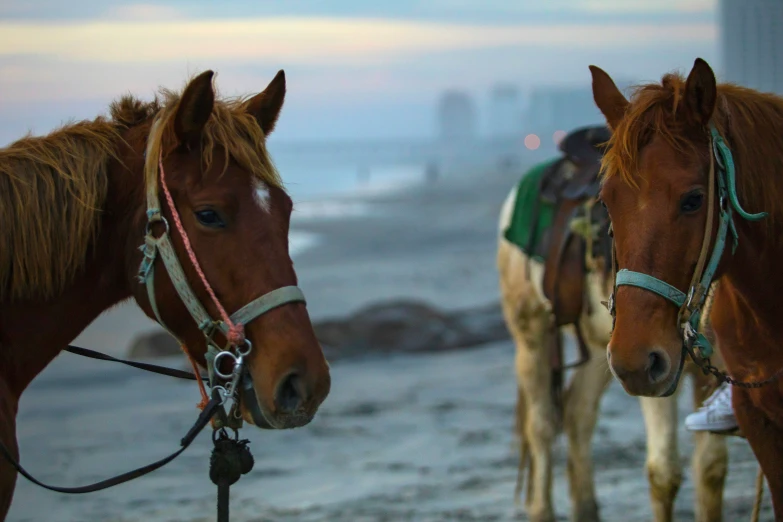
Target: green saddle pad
(518, 231)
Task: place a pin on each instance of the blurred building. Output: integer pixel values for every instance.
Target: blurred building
(751, 39)
(457, 116)
(557, 109)
(505, 111)
(560, 108)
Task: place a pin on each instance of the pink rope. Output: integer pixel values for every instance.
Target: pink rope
(236, 332)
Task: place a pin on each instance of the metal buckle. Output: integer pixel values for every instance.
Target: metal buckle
(208, 328)
(696, 292)
(689, 298)
(717, 153)
(689, 334)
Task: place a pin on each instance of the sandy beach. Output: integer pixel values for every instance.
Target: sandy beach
(415, 437)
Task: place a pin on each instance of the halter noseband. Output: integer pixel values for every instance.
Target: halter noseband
(691, 304)
(232, 327)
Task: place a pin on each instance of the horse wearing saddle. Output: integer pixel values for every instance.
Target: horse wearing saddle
(577, 237)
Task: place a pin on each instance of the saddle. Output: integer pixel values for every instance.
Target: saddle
(575, 176)
(569, 181)
(571, 185)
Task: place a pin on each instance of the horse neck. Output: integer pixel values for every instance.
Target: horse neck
(753, 124)
(753, 293)
(33, 333)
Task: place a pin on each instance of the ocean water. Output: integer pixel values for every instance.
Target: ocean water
(338, 191)
(307, 183)
(299, 241)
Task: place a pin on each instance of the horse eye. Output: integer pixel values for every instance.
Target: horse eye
(692, 202)
(210, 218)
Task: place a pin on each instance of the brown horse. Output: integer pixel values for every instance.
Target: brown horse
(672, 144)
(74, 209)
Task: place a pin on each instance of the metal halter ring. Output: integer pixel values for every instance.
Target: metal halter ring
(245, 348)
(216, 363)
(222, 433)
(224, 395)
(151, 222)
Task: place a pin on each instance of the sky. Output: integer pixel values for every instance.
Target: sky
(355, 69)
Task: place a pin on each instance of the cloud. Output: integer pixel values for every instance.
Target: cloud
(328, 101)
(310, 40)
(502, 12)
(149, 12)
(648, 6)
(567, 9)
(572, 7)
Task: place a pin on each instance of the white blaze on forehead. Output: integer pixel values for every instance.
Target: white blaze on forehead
(261, 195)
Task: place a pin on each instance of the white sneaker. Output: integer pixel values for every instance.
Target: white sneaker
(716, 414)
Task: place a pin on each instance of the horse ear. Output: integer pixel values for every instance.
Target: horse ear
(608, 97)
(265, 106)
(701, 92)
(194, 109)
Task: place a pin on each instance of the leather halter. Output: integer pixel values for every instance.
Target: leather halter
(161, 247)
(690, 305)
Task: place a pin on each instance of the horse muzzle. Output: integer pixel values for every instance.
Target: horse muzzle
(254, 413)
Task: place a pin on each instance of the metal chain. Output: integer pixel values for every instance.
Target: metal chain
(708, 368)
(704, 363)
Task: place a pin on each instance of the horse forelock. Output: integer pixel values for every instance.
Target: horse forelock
(652, 111)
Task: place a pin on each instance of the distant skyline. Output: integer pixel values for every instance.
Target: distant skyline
(355, 69)
(752, 43)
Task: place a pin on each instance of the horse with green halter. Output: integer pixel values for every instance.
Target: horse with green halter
(690, 305)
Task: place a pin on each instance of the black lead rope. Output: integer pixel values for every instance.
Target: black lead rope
(230, 459)
(203, 419)
(154, 368)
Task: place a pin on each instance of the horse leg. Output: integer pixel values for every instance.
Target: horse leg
(581, 413)
(664, 470)
(536, 415)
(766, 441)
(8, 408)
(527, 320)
(710, 460)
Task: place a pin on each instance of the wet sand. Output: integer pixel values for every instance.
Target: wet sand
(418, 437)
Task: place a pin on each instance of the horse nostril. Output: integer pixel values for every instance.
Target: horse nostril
(290, 393)
(657, 367)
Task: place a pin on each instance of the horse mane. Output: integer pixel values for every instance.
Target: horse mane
(750, 122)
(53, 188)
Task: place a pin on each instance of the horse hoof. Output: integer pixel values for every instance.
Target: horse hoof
(546, 516)
(587, 512)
